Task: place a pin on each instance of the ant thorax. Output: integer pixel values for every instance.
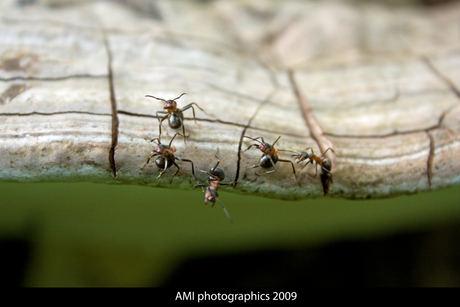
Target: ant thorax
(164, 149)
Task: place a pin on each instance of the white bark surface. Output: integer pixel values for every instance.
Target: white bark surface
(381, 83)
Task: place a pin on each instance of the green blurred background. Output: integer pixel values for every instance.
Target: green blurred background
(83, 234)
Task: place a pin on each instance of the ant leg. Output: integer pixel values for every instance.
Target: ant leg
(269, 172)
(202, 186)
(291, 151)
(293, 169)
(327, 151)
(215, 166)
(190, 105)
(316, 168)
(161, 121)
(193, 166)
(166, 167)
(170, 142)
(153, 140)
(183, 131)
(273, 145)
(250, 147)
(160, 112)
(178, 168)
(227, 183)
(305, 165)
(148, 160)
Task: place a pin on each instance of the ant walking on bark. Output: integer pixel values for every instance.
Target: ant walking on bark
(174, 115)
(216, 175)
(270, 156)
(166, 157)
(325, 164)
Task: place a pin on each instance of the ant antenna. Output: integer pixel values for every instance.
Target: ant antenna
(152, 140)
(225, 211)
(164, 99)
(256, 139)
(155, 98)
(274, 141)
(180, 96)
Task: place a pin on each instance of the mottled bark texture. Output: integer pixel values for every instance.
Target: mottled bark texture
(379, 84)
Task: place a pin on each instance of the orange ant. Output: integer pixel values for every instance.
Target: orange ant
(166, 157)
(270, 155)
(325, 163)
(216, 175)
(174, 115)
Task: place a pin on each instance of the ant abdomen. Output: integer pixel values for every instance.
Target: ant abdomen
(176, 119)
(327, 165)
(266, 161)
(160, 162)
(217, 172)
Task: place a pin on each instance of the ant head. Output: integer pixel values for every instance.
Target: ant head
(266, 148)
(170, 104)
(302, 157)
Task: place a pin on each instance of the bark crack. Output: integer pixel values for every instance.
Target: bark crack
(54, 113)
(436, 71)
(395, 133)
(430, 161)
(61, 78)
(316, 131)
(113, 104)
(240, 144)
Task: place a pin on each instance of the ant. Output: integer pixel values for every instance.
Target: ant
(166, 157)
(326, 165)
(174, 115)
(270, 155)
(216, 175)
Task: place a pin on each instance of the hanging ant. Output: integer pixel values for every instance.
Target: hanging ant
(166, 157)
(174, 115)
(270, 156)
(216, 175)
(326, 165)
